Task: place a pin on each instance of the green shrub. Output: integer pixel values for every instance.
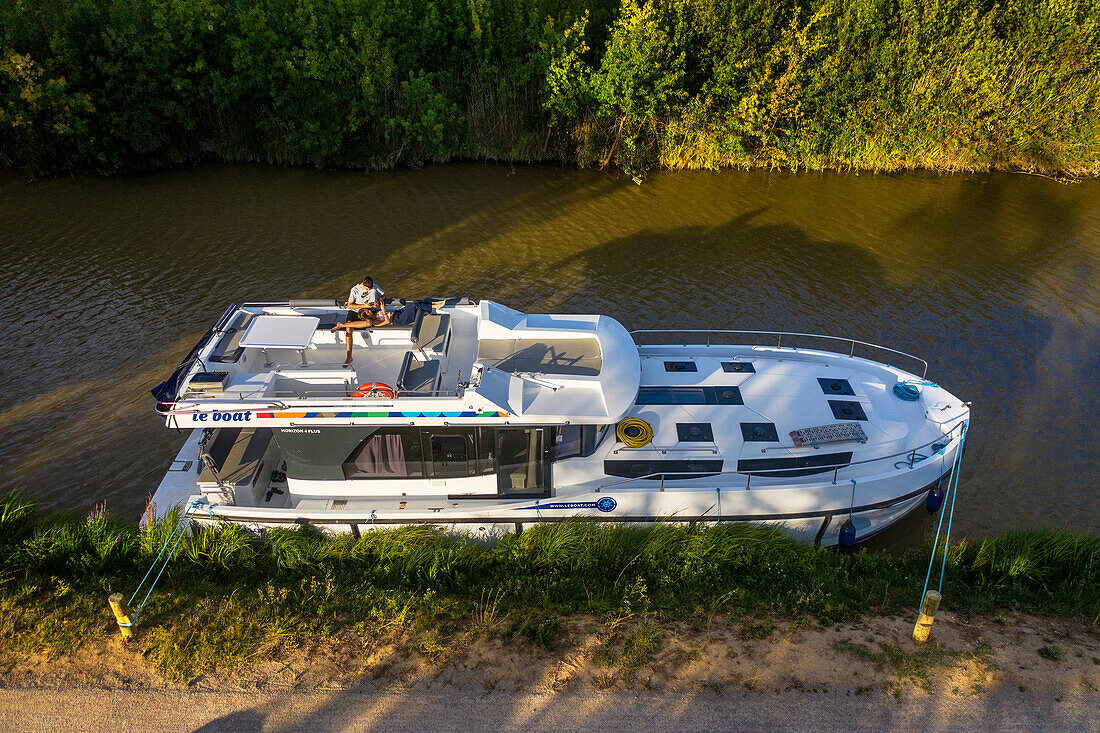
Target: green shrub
(125, 85)
(537, 627)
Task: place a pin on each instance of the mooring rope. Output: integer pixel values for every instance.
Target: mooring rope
(951, 515)
(952, 489)
(910, 390)
(174, 540)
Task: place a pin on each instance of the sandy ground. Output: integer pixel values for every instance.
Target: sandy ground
(987, 673)
(420, 710)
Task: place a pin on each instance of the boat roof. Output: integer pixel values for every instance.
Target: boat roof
(556, 367)
(283, 363)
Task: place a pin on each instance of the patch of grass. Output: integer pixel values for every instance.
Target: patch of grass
(605, 682)
(640, 645)
(431, 645)
(16, 517)
(857, 650)
(486, 611)
(1051, 652)
(216, 633)
(799, 623)
(537, 627)
(629, 644)
(51, 620)
(916, 666)
(750, 630)
(227, 598)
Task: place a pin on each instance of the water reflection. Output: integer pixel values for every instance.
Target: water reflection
(992, 278)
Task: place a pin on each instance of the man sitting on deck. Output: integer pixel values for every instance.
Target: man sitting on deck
(365, 294)
(366, 309)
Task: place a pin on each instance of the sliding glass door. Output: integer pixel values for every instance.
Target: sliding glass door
(523, 461)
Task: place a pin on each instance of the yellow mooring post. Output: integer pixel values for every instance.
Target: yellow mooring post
(122, 614)
(928, 608)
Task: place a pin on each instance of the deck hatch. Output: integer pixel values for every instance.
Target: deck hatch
(689, 396)
(738, 367)
(681, 366)
(799, 466)
(657, 469)
(759, 432)
(694, 432)
(847, 410)
(838, 387)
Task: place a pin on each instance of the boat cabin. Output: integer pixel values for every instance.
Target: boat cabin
(467, 399)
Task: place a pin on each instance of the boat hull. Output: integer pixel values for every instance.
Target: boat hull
(821, 529)
(812, 515)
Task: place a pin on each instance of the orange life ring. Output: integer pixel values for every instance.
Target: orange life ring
(374, 389)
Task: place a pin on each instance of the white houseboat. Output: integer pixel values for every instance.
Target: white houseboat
(480, 419)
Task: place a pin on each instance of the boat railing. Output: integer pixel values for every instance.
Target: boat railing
(194, 402)
(348, 393)
(910, 456)
(779, 336)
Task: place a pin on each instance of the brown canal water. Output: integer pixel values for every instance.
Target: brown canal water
(994, 279)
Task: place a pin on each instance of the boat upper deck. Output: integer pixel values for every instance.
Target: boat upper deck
(456, 357)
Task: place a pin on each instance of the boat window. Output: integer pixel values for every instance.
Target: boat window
(798, 466)
(486, 451)
(451, 455)
(571, 441)
(521, 456)
(387, 453)
(599, 434)
(671, 396)
(668, 469)
(694, 432)
(727, 395)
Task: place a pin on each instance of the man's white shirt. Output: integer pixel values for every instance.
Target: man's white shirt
(362, 295)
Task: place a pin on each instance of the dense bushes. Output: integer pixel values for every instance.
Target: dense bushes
(121, 85)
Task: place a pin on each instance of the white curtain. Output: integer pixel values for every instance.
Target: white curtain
(381, 455)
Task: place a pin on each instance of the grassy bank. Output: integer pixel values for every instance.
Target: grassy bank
(226, 598)
(127, 85)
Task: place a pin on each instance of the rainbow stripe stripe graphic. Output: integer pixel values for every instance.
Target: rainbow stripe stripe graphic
(375, 413)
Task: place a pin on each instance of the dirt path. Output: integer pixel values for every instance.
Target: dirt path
(1001, 672)
(450, 708)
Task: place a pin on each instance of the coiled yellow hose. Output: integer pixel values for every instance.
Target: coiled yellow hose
(634, 432)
